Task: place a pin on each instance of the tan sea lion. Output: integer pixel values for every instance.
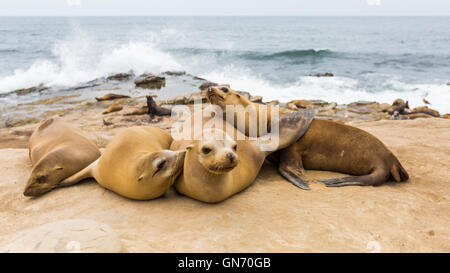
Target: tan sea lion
(111, 96)
(330, 146)
(112, 108)
(215, 169)
(136, 164)
(57, 151)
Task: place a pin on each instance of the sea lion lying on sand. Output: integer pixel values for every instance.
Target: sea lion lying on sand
(57, 151)
(216, 168)
(136, 164)
(328, 146)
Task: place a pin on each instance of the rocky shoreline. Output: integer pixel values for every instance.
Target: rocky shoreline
(41, 102)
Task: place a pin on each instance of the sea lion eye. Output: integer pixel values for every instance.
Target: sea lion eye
(235, 148)
(41, 179)
(206, 150)
(161, 165)
(224, 89)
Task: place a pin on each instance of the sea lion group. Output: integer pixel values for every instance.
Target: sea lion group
(144, 162)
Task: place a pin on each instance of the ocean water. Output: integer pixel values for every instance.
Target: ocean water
(372, 58)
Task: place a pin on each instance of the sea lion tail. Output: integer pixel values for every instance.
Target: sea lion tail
(398, 172)
(79, 176)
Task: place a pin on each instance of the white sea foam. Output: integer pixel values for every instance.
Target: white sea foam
(337, 89)
(83, 58)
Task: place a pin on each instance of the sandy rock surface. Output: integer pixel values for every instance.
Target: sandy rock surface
(66, 236)
(272, 215)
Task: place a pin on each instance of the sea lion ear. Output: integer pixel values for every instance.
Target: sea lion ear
(189, 147)
(58, 168)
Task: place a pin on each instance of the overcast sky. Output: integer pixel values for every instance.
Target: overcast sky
(224, 7)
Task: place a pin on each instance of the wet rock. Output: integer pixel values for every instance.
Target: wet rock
(120, 77)
(207, 84)
(66, 236)
(363, 108)
(174, 73)
(318, 103)
(112, 108)
(326, 74)
(300, 103)
(26, 91)
(150, 81)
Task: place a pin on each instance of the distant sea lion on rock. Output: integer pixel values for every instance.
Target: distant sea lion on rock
(57, 151)
(154, 109)
(217, 168)
(112, 108)
(330, 146)
(137, 164)
(111, 96)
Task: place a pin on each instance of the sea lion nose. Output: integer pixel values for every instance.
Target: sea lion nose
(231, 157)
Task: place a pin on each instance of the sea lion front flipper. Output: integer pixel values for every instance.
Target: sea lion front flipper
(81, 175)
(291, 168)
(298, 179)
(289, 129)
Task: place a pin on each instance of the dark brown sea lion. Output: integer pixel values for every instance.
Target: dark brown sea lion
(111, 96)
(328, 146)
(154, 109)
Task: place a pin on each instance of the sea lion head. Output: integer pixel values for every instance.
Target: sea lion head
(160, 169)
(43, 178)
(223, 95)
(216, 152)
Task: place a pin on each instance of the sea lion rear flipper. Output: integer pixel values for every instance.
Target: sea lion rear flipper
(376, 177)
(79, 176)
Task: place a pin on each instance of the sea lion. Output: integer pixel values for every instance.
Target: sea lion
(154, 109)
(111, 96)
(217, 168)
(135, 164)
(330, 146)
(57, 151)
(112, 108)
(223, 95)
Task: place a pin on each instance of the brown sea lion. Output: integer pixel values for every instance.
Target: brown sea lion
(111, 96)
(329, 146)
(137, 164)
(216, 168)
(57, 151)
